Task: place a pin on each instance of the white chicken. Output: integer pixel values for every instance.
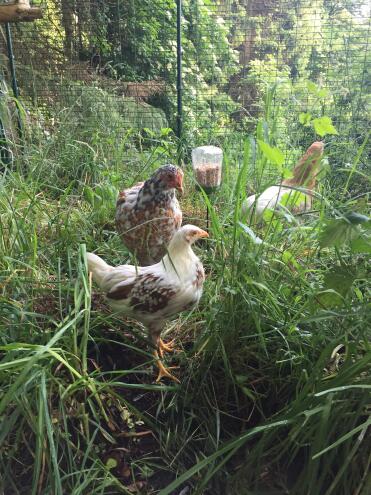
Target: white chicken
(304, 176)
(152, 294)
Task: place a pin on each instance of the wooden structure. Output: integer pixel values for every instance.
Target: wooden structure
(19, 11)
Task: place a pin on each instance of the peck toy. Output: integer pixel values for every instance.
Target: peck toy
(207, 165)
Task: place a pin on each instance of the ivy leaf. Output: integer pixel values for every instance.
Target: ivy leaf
(304, 118)
(271, 153)
(337, 232)
(323, 125)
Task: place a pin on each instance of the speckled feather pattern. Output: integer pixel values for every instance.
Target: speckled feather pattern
(154, 293)
(156, 296)
(146, 219)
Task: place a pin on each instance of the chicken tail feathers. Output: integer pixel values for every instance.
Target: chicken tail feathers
(98, 267)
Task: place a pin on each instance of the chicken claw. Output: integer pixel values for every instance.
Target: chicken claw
(165, 347)
(164, 372)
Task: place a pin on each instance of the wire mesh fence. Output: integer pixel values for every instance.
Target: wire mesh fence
(281, 67)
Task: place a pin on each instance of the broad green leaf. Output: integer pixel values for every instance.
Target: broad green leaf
(304, 118)
(165, 131)
(323, 126)
(268, 215)
(323, 92)
(271, 153)
(312, 87)
(329, 298)
(316, 90)
(337, 232)
(339, 279)
(361, 245)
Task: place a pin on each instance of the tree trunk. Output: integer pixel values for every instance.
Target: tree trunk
(68, 21)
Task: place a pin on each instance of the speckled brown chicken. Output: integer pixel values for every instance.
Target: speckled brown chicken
(153, 294)
(148, 214)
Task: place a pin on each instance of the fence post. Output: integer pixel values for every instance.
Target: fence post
(179, 70)
(13, 74)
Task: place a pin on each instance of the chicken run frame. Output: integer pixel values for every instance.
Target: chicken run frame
(284, 53)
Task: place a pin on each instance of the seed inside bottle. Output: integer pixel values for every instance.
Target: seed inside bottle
(209, 175)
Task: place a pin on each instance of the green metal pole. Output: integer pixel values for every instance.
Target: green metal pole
(13, 74)
(179, 76)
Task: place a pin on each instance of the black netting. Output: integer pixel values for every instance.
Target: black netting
(274, 66)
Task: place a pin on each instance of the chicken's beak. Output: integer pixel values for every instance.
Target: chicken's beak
(203, 233)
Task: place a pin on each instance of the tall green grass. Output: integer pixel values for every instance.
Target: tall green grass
(274, 364)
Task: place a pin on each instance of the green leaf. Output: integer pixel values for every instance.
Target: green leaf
(268, 215)
(165, 131)
(248, 393)
(329, 298)
(312, 88)
(250, 233)
(304, 118)
(274, 155)
(323, 125)
(323, 92)
(345, 437)
(89, 195)
(111, 463)
(361, 245)
(316, 90)
(336, 232)
(287, 173)
(289, 259)
(339, 279)
(292, 198)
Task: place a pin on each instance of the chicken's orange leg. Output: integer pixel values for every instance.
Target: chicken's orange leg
(162, 371)
(160, 347)
(163, 347)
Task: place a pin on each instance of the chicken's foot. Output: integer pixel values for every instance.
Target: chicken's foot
(165, 347)
(162, 371)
